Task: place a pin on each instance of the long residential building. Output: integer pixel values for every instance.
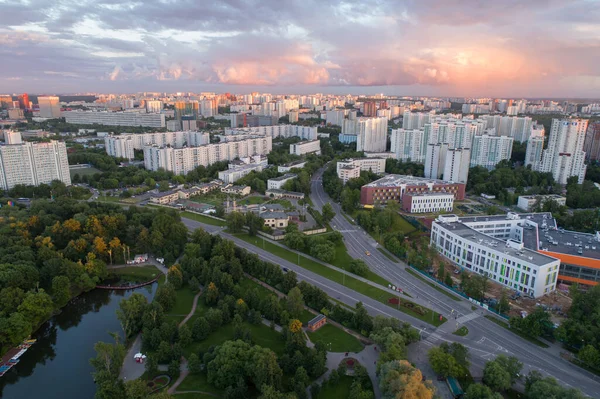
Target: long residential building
(564, 156)
(32, 164)
(494, 246)
(49, 106)
(123, 146)
(591, 145)
(115, 118)
(306, 147)
(277, 131)
(393, 187)
(183, 160)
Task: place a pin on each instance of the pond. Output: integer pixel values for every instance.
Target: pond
(57, 365)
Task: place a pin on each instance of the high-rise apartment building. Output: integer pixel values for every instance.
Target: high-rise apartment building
(409, 144)
(276, 131)
(371, 133)
(533, 154)
(456, 166)
(487, 150)
(335, 117)
(33, 163)
(564, 156)
(123, 146)
(416, 120)
(5, 101)
(591, 145)
(24, 101)
(154, 106)
(435, 160)
(49, 107)
(186, 108)
(370, 109)
(119, 146)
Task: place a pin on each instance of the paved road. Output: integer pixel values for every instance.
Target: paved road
(485, 339)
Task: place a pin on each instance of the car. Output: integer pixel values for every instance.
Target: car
(285, 270)
(441, 378)
(367, 253)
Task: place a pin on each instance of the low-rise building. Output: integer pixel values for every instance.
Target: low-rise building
(236, 190)
(277, 193)
(275, 220)
(237, 172)
(166, 197)
(306, 147)
(351, 168)
(317, 322)
(495, 246)
(393, 187)
(278, 182)
(527, 202)
(289, 166)
(427, 202)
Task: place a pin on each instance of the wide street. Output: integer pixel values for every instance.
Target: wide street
(485, 339)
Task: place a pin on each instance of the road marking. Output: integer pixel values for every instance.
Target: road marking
(467, 317)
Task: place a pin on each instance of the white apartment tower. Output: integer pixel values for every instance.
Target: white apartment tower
(564, 156)
(533, 155)
(33, 164)
(435, 160)
(154, 106)
(487, 150)
(409, 144)
(49, 107)
(456, 166)
(371, 134)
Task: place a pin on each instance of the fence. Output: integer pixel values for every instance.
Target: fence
(315, 231)
(462, 294)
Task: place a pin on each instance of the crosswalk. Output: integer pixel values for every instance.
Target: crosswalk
(467, 317)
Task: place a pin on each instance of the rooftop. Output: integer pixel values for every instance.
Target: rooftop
(541, 196)
(284, 177)
(429, 194)
(273, 215)
(396, 180)
(316, 319)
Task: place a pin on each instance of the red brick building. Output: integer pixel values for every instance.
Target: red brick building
(393, 187)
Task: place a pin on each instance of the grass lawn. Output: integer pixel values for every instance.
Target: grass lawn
(108, 199)
(203, 218)
(387, 255)
(433, 285)
(248, 284)
(348, 218)
(184, 302)
(340, 340)
(261, 335)
(253, 200)
(84, 172)
(197, 382)
(342, 259)
(137, 274)
(461, 332)
(519, 333)
(340, 390)
(333, 275)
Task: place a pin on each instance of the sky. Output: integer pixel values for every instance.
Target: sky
(507, 48)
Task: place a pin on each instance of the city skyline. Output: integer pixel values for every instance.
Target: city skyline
(450, 48)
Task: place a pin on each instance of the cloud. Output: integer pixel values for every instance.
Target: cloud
(448, 46)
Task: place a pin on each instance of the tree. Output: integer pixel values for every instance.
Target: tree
(443, 363)
(175, 276)
(546, 388)
(194, 364)
(151, 365)
(36, 307)
(538, 323)
(185, 335)
(328, 213)
(294, 240)
(399, 380)
(358, 267)
(590, 356)
(200, 329)
(289, 281)
(235, 222)
(295, 326)
(480, 391)
(254, 223)
(512, 365)
(441, 275)
(166, 296)
(61, 290)
(131, 312)
(503, 304)
(136, 389)
(212, 294)
(107, 365)
(295, 302)
(496, 377)
(173, 369)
